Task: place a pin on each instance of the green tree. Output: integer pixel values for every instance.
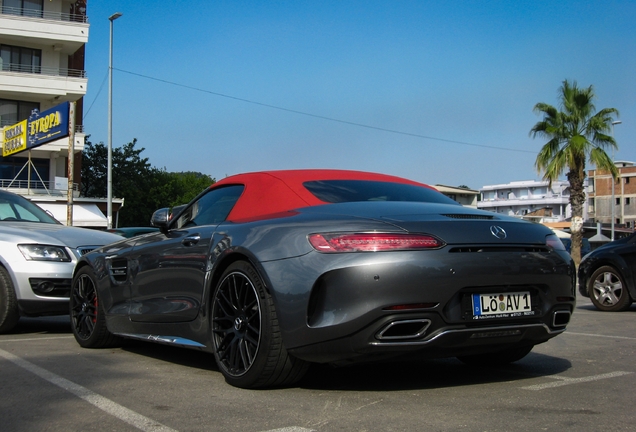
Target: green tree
(143, 187)
(575, 133)
(185, 186)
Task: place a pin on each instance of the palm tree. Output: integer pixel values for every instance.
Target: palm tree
(575, 134)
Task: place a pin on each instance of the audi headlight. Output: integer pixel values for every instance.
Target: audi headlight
(36, 252)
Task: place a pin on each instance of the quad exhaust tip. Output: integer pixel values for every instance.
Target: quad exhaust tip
(404, 329)
(561, 318)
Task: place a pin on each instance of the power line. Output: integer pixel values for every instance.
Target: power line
(320, 116)
(97, 95)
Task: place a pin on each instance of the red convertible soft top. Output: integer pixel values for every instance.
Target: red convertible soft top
(272, 192)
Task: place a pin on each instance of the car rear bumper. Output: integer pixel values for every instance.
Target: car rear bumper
(349, 310)
(450, 341)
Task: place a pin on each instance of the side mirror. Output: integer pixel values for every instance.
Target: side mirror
(160, 219)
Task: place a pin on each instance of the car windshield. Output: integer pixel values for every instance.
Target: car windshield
(339, 191)
(16, 208)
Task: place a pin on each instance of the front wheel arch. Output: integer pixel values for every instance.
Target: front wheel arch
(246, 338)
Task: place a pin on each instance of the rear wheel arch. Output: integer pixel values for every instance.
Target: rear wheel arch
(230, 259)
(245, 333)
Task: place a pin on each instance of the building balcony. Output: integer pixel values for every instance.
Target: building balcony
(47, 15)
(38, 187)
(23, 82)
(513, 202)
(67, 32)
(42, 70)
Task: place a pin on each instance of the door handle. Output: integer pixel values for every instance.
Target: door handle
(191, 240)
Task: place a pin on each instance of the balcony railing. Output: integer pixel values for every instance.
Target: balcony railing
(53, 16)
(35, 187)
(43, 70)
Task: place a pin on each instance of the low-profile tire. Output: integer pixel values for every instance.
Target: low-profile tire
(9, 311)
(497, 358)
(608, 291)
(87, 314)
(246, 337)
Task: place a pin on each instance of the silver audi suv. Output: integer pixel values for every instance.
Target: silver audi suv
(37, 257)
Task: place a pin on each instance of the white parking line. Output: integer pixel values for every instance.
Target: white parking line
(104, 404)
(567, 381)
(291, 429)
(598, 335)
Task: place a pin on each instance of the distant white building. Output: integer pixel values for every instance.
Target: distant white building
(533, 200)
(464, 196)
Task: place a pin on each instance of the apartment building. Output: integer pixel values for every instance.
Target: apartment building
(42, 45)
(622, 199)
(533, 200)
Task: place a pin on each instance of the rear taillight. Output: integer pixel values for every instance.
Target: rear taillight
(554, 242)
(372, 242)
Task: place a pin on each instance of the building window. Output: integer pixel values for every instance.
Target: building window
(11, 168)
(12, 111)
(626, 180)
(618, 201)
(20, 59)
(627, 201)
(30, 8)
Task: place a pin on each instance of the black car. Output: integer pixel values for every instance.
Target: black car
(586, 247)
(606, 275)
(274, 270)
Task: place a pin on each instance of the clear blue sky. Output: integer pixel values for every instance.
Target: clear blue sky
(223, 87)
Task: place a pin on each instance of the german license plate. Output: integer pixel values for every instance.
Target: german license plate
(502, 305)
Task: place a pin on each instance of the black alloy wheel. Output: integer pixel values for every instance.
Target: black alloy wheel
(245, 333)
(87, 316)
(608, 291)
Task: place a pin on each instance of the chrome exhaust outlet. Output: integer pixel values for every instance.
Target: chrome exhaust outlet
(404, 329)
(561, 318)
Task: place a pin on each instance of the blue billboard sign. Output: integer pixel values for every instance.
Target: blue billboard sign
(48, 125)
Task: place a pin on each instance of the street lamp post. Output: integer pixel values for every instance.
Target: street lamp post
(109, 187)
(613, 203)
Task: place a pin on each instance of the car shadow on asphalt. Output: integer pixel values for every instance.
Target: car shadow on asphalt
(592, 308)
(53, 325)
(428, 374)
(386, 376)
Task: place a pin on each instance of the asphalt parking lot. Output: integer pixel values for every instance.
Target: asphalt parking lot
(582, 380)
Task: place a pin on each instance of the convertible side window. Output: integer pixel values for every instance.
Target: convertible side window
(211, 208)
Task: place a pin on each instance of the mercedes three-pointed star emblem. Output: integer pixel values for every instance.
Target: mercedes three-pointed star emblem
(498, 232)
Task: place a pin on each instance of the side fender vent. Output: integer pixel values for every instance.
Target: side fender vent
(119, 270)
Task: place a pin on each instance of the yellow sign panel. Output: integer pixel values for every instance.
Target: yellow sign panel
(14, 138)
